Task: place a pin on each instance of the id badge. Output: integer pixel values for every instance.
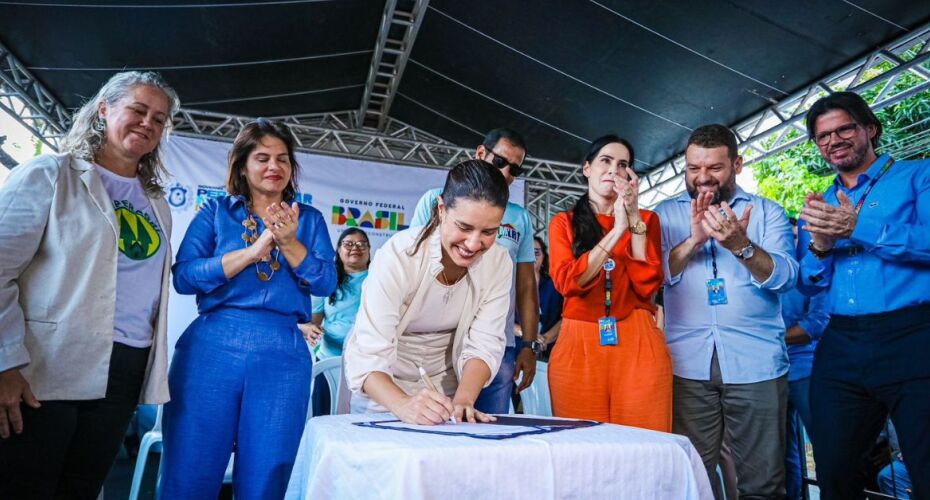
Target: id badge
(716, 292)
(608, 329)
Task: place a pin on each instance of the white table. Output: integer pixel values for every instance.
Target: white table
(340, 460)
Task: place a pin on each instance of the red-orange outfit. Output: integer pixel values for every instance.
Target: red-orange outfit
(629, 383)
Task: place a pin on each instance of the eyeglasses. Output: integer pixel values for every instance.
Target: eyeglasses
(351, 245)
(500, 163)
(845, 132)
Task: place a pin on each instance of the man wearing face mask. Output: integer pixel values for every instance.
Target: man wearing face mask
(728, 256)
(506, 150)
(866, 244)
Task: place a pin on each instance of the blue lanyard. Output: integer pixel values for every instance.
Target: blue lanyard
(609, 265)
(713, 258)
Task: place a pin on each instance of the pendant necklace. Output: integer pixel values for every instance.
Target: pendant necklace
(250, 236)
(449, 286)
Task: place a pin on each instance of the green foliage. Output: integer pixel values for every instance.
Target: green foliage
(787, 177)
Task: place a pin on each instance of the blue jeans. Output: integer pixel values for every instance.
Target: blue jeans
(798, 408)
(239, 380)
(898, 485)
(495, 398)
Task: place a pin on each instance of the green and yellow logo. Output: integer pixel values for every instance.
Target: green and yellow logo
(138, 237)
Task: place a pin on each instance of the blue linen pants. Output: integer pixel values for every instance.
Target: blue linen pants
(239, 381)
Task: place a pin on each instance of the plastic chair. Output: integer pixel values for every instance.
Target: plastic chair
(151, 438)
(331, 369)
(536, 400)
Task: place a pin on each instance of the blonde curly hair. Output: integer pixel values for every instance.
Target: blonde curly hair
(85, 142)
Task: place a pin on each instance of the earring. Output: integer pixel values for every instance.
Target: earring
(100, 125)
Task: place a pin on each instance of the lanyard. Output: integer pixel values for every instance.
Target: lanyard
(872, 183)
(608, 284)
(713, 257)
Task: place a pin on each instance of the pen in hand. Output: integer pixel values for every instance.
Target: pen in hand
(429, 385)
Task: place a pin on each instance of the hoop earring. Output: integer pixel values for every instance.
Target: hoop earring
(100, 125)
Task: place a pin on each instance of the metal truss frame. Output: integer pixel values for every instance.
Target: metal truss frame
(781, 126)
(29, 103)
(399, 28)
(550, 185)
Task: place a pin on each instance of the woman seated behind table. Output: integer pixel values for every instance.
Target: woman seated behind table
(436, 297)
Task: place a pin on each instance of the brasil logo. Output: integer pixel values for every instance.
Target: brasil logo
(380, 219)
(138, 237)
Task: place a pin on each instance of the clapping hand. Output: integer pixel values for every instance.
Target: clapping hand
(699, 206)
(283, 223)
(826, 223)
(261, 249)
(721, 224)
(626, 207)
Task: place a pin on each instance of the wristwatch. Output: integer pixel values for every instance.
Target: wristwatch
(746, 252)
(820, 254)
(535, 346)
(638, 228)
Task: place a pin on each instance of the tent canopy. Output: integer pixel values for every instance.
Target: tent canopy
(562, 73)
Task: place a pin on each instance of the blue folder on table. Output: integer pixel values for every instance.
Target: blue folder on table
(506, 427)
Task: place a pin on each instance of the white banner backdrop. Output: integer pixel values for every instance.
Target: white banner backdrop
(377, 197)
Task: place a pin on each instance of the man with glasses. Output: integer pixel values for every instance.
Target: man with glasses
(506, 150)
(866, 244)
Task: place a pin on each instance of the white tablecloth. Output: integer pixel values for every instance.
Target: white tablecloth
(340, 460)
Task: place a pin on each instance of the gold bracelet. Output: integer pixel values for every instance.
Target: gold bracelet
(602, 248)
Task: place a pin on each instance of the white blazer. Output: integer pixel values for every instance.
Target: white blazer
(58, 264)
(394, 294)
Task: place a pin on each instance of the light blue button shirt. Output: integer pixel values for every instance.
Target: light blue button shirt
(515, 234)
(748, 332)
(885, 264)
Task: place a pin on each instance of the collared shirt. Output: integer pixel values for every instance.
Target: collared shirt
(885, 264)
(748, 332)
(811, 315)
(217, 230)
(515, 234)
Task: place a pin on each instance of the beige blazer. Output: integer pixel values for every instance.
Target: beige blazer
(394, 294)
(58, 258)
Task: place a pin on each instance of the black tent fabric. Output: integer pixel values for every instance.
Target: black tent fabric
(561, 72)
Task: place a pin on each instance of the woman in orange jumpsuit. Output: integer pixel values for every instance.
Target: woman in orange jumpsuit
(611, 363)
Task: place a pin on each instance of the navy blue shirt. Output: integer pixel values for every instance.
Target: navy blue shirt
(217, 230)
(550, 304)
(885, 264)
